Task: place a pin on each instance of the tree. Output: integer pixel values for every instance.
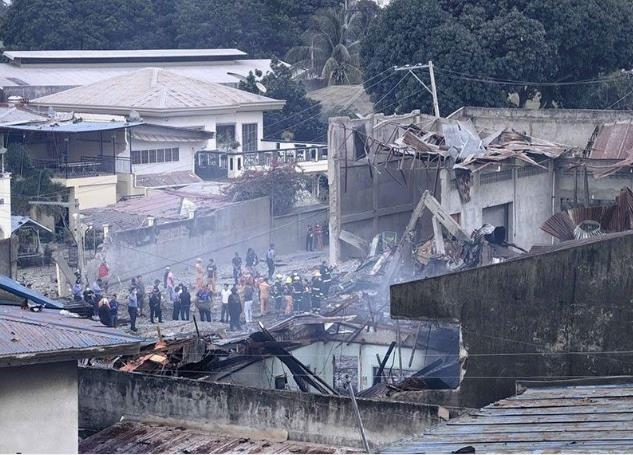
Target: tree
(27, 182)
(412, 31)
(299, 116)
(282, 184)
(551, 44)
(331, 44)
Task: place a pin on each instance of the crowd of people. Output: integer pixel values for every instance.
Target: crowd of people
(252, 292)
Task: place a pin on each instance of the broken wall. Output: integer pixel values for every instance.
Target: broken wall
(561, 314)
(525, 191)
(565, 126)
(367, 198)
(107, 395)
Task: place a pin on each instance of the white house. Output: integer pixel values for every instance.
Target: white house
(180, 117)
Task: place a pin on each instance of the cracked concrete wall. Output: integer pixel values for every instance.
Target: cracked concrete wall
(107, 395)
(551, 315)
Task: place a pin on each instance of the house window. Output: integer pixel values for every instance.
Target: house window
(225, 136)
(249, 137)
(155, 156)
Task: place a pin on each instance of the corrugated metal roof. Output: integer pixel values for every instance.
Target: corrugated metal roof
(158, 54)
(29, 337)
(14, 116)
(13, 287)
(165, 179)
(161, 133)
(74, 127)
(165, 205)
(136, 437)
(17, 221)
(78, 74)
(551, 419)
(613, 142)
(155, 90)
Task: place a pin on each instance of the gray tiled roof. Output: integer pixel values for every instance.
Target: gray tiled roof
(156, 90)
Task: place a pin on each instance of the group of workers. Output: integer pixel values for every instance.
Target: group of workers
(283, 295)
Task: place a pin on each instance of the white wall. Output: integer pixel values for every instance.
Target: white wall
(5, 206)
(209, 122)
(39, 408)
(318, 356)
(186, 158)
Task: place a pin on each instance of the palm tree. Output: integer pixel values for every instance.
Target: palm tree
(331, 46)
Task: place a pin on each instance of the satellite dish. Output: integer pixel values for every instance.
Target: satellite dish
(261, 87)
(237, 76)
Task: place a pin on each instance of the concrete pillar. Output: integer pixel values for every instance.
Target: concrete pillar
(334, 138)
(5, 205)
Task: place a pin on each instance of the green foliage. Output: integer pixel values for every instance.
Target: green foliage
(281, 183)
(300, 115)
(27, 182)
(259, 27)
(505, 40)
(332, 42)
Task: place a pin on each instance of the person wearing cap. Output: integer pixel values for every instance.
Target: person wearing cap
(235, 310)
(297, 292)
(326, 277)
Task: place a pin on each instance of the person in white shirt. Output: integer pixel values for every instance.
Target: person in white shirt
(225, 293)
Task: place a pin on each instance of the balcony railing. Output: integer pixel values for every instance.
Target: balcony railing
(87, 166)
(214, 163)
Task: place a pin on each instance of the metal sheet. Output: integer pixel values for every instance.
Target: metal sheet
(551, 419)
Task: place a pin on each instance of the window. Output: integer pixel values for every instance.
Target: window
(225, 136)
(249, 137)
(155, 156)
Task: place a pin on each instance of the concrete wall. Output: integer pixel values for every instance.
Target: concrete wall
(92, 192)
(39, 408)
(107, 395)
(9, 257)
(218, 235)
(535, 316)
(366, 200)
(571, 182)
(527, 188)
(566, 126)
(289, 231)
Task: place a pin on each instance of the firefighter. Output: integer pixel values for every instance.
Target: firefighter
(317, 292)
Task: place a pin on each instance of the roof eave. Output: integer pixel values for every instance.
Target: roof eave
(165, 112)
(69, 354)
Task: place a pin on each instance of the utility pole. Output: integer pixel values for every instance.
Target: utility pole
(432, 90)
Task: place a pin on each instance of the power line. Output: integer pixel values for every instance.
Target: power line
(491, 80)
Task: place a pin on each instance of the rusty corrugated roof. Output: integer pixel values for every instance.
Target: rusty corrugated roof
(30, 337)
(137, 437)
(614, 141)
(542, 419)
